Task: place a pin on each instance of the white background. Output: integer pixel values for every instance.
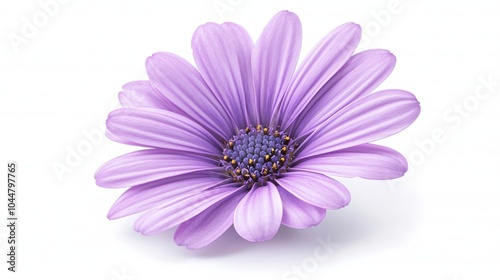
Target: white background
(442, 221)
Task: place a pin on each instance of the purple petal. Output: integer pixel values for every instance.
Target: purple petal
(147, 196)
(182, 84)
(258, 216)
(142, 94)
(207, 226)
(322, 62)
(273, 61)
(297, 213)
(178, 211)
(115, 138)
(316, 189)
(367, 161)
(370, 118)
(149, 165)
(157, 128)
(223, 56)
(357, 78)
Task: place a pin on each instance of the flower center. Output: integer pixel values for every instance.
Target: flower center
(258, 154)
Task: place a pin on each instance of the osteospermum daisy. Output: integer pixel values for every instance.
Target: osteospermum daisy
(245, 138)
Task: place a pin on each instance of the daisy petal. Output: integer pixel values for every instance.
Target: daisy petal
(367, 161)
(142, 94)
(370, 118)
(223, 56)
(273, 61)
(147, 196)
(361, 74)
(182, 84)
(207, 226)
(258, 216)
(297, 213)
(316, 189)
(149, 165)
(178, 211)
(115, 138)
(322, 62)
(155, 128)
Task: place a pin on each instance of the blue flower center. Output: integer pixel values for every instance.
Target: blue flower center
(258, 154)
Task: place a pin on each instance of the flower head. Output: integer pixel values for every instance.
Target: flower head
(246, 138)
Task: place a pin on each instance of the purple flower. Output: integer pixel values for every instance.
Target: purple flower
(246, 138)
